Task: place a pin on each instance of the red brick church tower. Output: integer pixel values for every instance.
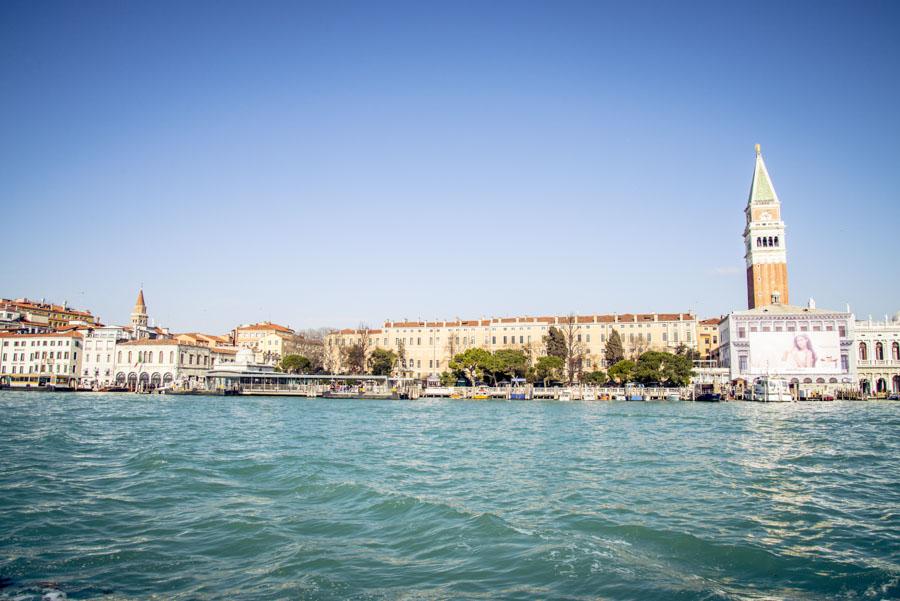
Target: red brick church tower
(767, 279)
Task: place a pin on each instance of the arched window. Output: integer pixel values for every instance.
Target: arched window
(863, 351)
(119, 358)
(895, 351)
(770, 241)
(765, 243)
(758, 242)
(776, 240)
(879, 351)
(160, 356)
(171, 356)
(129, 356)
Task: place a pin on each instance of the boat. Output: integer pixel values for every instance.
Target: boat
(565, 395)
(771, 390)
(589, 395)
(709, 397)
(481, 393)
(673, 397)
(50, 383)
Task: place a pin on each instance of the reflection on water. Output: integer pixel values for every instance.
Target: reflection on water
(202, 498)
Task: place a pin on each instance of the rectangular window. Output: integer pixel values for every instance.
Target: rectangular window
(504, 340)
(587, 338)
(493, 340)
(842, 331)
(742, 333)
(742, 363)
(845, 363)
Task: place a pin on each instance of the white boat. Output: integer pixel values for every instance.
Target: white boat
(771, 390)
(589, 395)
(565, 395)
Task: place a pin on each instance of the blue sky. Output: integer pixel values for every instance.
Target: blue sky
(339, 163)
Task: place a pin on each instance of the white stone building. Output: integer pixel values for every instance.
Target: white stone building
(877, 348)
(152, 363)
(99, 365)
(811, 348)
(58, 354)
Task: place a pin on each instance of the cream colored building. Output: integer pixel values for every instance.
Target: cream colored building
(55, 353)
(267, 340)
(426, 348)
(878, 355)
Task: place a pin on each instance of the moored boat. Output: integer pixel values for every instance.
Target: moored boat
(771, 390)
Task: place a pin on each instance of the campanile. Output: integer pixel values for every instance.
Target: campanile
(767, 280)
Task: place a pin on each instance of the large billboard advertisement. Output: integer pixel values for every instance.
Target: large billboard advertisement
(795, 353)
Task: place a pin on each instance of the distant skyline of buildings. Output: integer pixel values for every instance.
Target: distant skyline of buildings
(816, 348)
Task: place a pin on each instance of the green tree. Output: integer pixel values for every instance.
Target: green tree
(622, 371)
(595, 378)
(295, 364)
(555, 343)
(683, 350)
(473, 364)
(614, 351)
(448, 379)
(548, 368)
(666, 368)
(382, 362)
(510, 363)
(355, 358)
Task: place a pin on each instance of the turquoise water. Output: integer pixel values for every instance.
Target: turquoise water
(149, 497)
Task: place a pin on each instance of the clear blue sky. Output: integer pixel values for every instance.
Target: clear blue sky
(338, 163)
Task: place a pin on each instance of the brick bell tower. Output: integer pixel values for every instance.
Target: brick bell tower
(767, 280)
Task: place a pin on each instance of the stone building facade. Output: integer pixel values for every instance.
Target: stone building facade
(426, 347)
(877, 349)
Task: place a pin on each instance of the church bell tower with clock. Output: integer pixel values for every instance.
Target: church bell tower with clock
(767, 280)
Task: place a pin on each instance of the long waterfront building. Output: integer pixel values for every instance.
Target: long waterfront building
(426, 347)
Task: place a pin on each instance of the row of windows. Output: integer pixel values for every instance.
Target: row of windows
(39, 342)
(763, 242)
(60, 369)
(147, 357)
(879, 351)
(41, 355)
(792, 327)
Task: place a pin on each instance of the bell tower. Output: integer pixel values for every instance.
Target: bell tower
(766, 255)
(139, 313)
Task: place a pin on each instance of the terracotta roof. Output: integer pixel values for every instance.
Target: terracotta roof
(266, 325)
(547, 319)
(29, 304)
(712, 321)
(159, 342)
(224, 351)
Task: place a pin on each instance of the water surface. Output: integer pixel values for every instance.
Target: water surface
(151, 497)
